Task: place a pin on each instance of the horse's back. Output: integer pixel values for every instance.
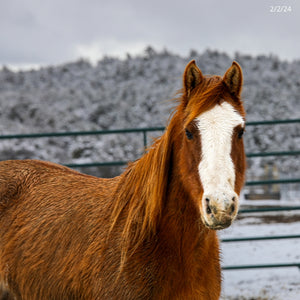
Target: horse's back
(50, 219)
(19, 178)
(36, 188)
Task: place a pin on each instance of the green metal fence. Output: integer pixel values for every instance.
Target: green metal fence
(263, 238)
(144, 132)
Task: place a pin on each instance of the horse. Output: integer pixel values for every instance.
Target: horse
(150, 233)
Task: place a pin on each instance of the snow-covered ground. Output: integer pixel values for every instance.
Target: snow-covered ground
(273, 283)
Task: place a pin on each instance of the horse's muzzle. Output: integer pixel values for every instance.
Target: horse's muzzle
(219, 212)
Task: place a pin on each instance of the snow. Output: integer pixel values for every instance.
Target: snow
(279, 284)
(273, 283)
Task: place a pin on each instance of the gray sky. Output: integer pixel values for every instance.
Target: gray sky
(56, 31)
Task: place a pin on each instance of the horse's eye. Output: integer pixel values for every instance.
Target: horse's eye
(241, 132)
(188, 134)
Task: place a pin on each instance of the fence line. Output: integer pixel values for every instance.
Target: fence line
(263, 238)
(260, 238)
(264, 266)
(272, 122)
(268, 209)
(145, 130)
(279, 153)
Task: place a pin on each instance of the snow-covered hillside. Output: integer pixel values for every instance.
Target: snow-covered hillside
(134, 93)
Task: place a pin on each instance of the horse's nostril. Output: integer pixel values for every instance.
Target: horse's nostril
(208, 210)
(232, 208)
(233, 199)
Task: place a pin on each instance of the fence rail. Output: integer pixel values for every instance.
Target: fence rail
(263, 238)
(128, 130)
(144, 132)
(260, 238)
(264, 266)
(268, 209)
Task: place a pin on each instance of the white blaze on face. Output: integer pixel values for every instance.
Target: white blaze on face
(216, 168)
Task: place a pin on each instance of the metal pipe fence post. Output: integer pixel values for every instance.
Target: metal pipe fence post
(145, 139)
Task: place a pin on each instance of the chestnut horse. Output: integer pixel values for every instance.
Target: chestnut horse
(149, 233)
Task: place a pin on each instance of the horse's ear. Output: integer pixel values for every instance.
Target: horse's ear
(233, 78)
(191, 78)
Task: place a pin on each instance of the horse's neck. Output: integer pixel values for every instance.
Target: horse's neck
(181, 217)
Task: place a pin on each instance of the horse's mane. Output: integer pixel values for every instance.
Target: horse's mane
(141, 194)
(142, 190)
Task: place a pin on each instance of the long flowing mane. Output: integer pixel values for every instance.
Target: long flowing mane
(142, 193)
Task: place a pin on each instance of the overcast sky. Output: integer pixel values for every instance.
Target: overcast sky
(34, 32)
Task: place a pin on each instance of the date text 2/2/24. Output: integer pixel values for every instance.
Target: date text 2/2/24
(280, 9)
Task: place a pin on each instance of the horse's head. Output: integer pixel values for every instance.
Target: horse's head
(212, 159)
